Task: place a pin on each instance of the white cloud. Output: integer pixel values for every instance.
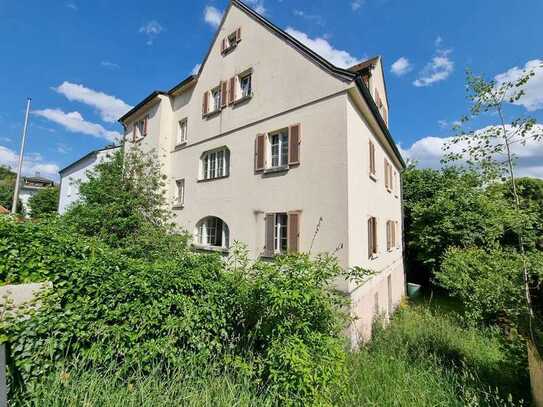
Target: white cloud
(32, 163)
(71, 5)
(532, 99)
(444, 124)
(317, 19)
(438, 69)
(401, 66)
(257, 5)
(110, 65)
(196, 69)
(356, 4)
(74, 122)
(62, 148)
(151, 29)
(212, 16)
(428, 152)
(109, 107)
(322, 47)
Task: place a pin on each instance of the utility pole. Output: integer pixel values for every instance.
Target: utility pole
(21, 154)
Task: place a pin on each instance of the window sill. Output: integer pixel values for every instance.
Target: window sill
(178, 207)
(213, 249)
(213, 179)
(243, 99)
(373, 177)
(374, 257)
(212, 114)
(273, 170)
(230, 49)
(180, 146)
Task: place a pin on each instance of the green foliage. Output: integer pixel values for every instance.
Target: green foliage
(7, 187)
(450, 207)
(44, 202)
(489, 283)
(278, 319)
(410, 364)
(123, 203)
(426, 358)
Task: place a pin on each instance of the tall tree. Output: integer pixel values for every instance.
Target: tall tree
(490, 149)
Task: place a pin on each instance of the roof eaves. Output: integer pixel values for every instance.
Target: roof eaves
(336, 71)
(183, 83)
(94, 152)
(141, 104)
(373, 107)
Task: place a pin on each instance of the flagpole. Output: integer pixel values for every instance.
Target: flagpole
(21, 154)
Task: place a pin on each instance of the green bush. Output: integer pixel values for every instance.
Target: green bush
(44, 202)
(279, 320)
(490, 284)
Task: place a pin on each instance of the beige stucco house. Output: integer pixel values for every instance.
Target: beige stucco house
(270, 141)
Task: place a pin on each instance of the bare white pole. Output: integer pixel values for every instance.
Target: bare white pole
(21, 154)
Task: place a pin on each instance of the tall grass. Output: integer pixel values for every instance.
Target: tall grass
(421, 359)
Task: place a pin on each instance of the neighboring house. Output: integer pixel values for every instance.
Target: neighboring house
(30, 186)
(272, 145)
(76, 173)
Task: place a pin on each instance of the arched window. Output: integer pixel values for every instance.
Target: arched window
(212, 232)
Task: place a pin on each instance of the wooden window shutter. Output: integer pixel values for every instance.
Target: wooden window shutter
(372, 158)
(238, 34)
(223, 45)
(134, 131)
(260, 152)
(293, 231)
(232, 91)
(294, 145)
(224, 92)
(370, 238)
(145, 120)
(385, 115)
(205, 104)
(269, 234)
(378, 101)
(386, 174)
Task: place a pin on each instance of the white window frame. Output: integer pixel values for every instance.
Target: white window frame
(207, 235)
(215, 99)
(240, 79)
(282, 148)
(280, 233)
(180, 192)
(215, 164)
(182, 131)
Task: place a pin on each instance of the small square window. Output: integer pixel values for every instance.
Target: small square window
(182, 132)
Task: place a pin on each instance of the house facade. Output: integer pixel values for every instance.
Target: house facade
(74, 174)
(271, 145)
(30, 186)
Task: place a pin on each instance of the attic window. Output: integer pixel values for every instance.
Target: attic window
(231, 41)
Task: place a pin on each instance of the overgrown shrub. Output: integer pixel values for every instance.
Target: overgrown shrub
(279, 320)
(489, 283)
(44, 202)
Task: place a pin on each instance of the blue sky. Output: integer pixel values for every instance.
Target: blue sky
(85, 62)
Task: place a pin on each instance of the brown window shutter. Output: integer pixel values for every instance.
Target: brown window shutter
(387, 171)
(145, 125)
(385, 113)
(293, 231)
(205, 103)
(238, 34)
(260, 153)
(232, 91)
(372, 158)
(224, 91)
(294, 145)
(223, 45)
(370, 237)
(134, 131)
(269, 234)
(378, 101)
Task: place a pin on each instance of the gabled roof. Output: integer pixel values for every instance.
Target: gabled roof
(348, 75)
(37, 178)
(92, 153)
